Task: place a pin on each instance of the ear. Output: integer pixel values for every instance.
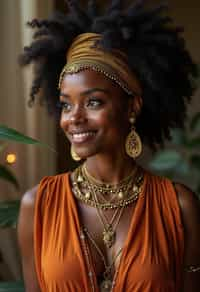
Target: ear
(135, 105)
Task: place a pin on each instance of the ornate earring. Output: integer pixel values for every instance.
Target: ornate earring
(74, 155)
(133, 142)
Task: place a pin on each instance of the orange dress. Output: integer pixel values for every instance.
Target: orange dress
(152, 256)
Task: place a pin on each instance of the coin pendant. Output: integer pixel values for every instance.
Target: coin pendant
(109, 236)
(106, 286)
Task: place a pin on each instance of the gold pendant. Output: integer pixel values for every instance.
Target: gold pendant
(106, 286)
(87, 195)
(80, 178)
(121, 195)
(133, 144)
(109, 236)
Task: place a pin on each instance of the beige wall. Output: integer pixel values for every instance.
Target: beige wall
(32, 162)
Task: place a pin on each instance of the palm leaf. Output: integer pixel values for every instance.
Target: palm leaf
(13, 135)
(165, 160)
(195, 161)
(10, 134)
(193, 143)
(9, 211)
(12, 286)
(195, 122)
(6, 174)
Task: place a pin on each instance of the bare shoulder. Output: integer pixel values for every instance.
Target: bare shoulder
(190, 211)
(189, 204)
(25, 239)
(26, 216)
(28, 199)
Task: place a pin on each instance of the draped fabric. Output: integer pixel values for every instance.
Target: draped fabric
(153, 250)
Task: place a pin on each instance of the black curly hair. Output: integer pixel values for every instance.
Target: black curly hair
(154, 46)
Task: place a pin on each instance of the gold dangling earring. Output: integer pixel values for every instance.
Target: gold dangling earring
(133, 142)
(74, 155)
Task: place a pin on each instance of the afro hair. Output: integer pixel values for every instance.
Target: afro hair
(154, 46)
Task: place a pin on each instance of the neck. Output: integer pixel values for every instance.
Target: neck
(110, 169)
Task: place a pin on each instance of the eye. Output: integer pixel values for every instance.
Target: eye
(94, 102)
(64, 106)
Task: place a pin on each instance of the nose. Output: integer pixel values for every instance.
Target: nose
(77, 115)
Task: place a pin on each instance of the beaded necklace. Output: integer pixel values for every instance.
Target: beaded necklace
(132, 188)
(108, 284)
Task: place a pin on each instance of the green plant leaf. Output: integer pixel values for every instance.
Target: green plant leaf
(195, 122)
(193, 143)
(10, 134)
(12, 286)
(6, 174)
(195, 161)
(178, 137)
(9, 211)
(13, 135)
(195, 77)
(165, 160)
(182, 168)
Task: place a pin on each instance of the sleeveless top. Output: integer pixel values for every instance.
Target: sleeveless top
(152, 256)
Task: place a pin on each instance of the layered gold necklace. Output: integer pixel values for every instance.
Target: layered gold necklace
(89, 190)
(105, 197)
(126, 191)
(107, 282)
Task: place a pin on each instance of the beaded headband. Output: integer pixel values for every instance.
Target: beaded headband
(84, 53)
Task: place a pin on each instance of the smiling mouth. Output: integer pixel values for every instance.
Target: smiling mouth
(82, 137)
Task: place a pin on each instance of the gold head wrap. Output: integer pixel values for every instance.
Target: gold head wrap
(85, 54)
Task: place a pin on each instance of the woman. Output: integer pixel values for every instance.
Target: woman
(109, 225)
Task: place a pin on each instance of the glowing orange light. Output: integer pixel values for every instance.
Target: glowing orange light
(11, 158)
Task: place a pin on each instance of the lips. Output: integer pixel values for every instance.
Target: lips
(80, 137)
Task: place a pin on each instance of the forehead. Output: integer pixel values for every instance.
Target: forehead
(88, 79)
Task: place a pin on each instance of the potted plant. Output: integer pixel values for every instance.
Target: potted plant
(181, 161)
(9, 210)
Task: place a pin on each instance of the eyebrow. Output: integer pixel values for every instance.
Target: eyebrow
(87, 92)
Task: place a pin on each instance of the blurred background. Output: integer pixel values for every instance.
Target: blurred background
(30, 163)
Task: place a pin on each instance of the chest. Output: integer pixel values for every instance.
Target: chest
(96, 233)
(148, 236)
(146, 256)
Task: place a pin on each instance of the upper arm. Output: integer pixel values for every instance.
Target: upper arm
(25, 238)
(190, 210)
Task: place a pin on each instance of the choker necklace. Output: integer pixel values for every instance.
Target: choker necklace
(126, 191)
(115, 190)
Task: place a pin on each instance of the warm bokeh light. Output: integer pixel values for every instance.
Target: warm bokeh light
(11, 158)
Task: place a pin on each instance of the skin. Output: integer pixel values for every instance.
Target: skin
(92, 103)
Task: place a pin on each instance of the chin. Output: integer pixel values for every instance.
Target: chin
(85, 153)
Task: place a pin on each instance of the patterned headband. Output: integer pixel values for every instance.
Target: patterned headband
(84, 53)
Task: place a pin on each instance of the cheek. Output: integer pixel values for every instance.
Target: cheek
(63, 121)
(121, 126)
(114, 119)
(115, 127)
(118, 120)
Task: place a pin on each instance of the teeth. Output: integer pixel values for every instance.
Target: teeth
(82, 135)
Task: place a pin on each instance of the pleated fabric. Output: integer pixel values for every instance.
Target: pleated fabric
(152, 256)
